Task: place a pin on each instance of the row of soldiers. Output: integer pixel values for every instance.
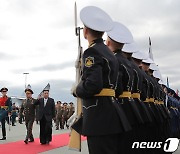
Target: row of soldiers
(121, 89)
(63, 113)
(173, 104)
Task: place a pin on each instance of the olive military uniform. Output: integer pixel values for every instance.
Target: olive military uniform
(28, 107)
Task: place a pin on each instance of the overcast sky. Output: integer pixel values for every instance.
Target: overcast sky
(37, 36)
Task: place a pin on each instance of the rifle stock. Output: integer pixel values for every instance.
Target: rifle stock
(75, 137)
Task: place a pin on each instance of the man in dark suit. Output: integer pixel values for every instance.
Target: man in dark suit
(46, 114)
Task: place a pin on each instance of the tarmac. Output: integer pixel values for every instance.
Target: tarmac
(18, 132)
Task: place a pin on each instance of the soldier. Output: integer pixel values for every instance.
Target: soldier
(71, 109)
(143, 85)
(141, 133)
(21, 116)
(160, 103)
(59, 112)
(173, 106)
(5, 109)
(115, 41)
(101, 121)
(65, 114)
(28, 107)
(13, 114)
(157, 114)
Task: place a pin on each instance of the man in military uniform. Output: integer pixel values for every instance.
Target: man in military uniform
(65, 112)
(28, 107)
(117, 37)
(13, 114)
(59, 112)
(20, 116)
(71, 109)
(101, 122)
(5, 109)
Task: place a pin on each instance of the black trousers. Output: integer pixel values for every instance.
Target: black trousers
(3, 121)
(13, 120)
(108, 144)
(45, 130)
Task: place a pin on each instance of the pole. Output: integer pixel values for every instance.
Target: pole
(25, 79)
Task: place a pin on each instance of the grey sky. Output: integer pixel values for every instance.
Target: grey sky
(38, 37)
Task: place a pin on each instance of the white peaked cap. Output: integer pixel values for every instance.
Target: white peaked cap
(148, 61)
(161, 82)
(96, 19)
(120, 33)
(157, 74)
(153, 67)
(130, 48)
(139, 55)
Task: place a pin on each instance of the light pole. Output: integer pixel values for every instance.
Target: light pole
(25, 78)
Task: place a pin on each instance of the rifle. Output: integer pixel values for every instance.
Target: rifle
(9, 118)
(75, 137)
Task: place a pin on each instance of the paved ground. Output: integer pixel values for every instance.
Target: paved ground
(18, 133)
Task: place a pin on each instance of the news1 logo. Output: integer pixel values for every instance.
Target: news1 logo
(170, 145)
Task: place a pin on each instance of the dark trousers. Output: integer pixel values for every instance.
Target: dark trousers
(13, 120)
(104, 144)
(3, 127)
(29, 126)
(59, 121)
(45, 130)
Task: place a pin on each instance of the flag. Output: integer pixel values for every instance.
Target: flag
(167, 82)
(150, 50)
(46, 88)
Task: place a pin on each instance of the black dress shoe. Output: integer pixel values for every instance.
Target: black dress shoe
(4, 138)
(26, 141)
(43, 143)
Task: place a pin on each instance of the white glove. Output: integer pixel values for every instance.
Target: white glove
(73, 89)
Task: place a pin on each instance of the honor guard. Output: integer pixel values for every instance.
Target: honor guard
(5, 109)
(174, 107)
(141, 133)
(100, 121)
(160, 103)
(117, 37)
(28, 108)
